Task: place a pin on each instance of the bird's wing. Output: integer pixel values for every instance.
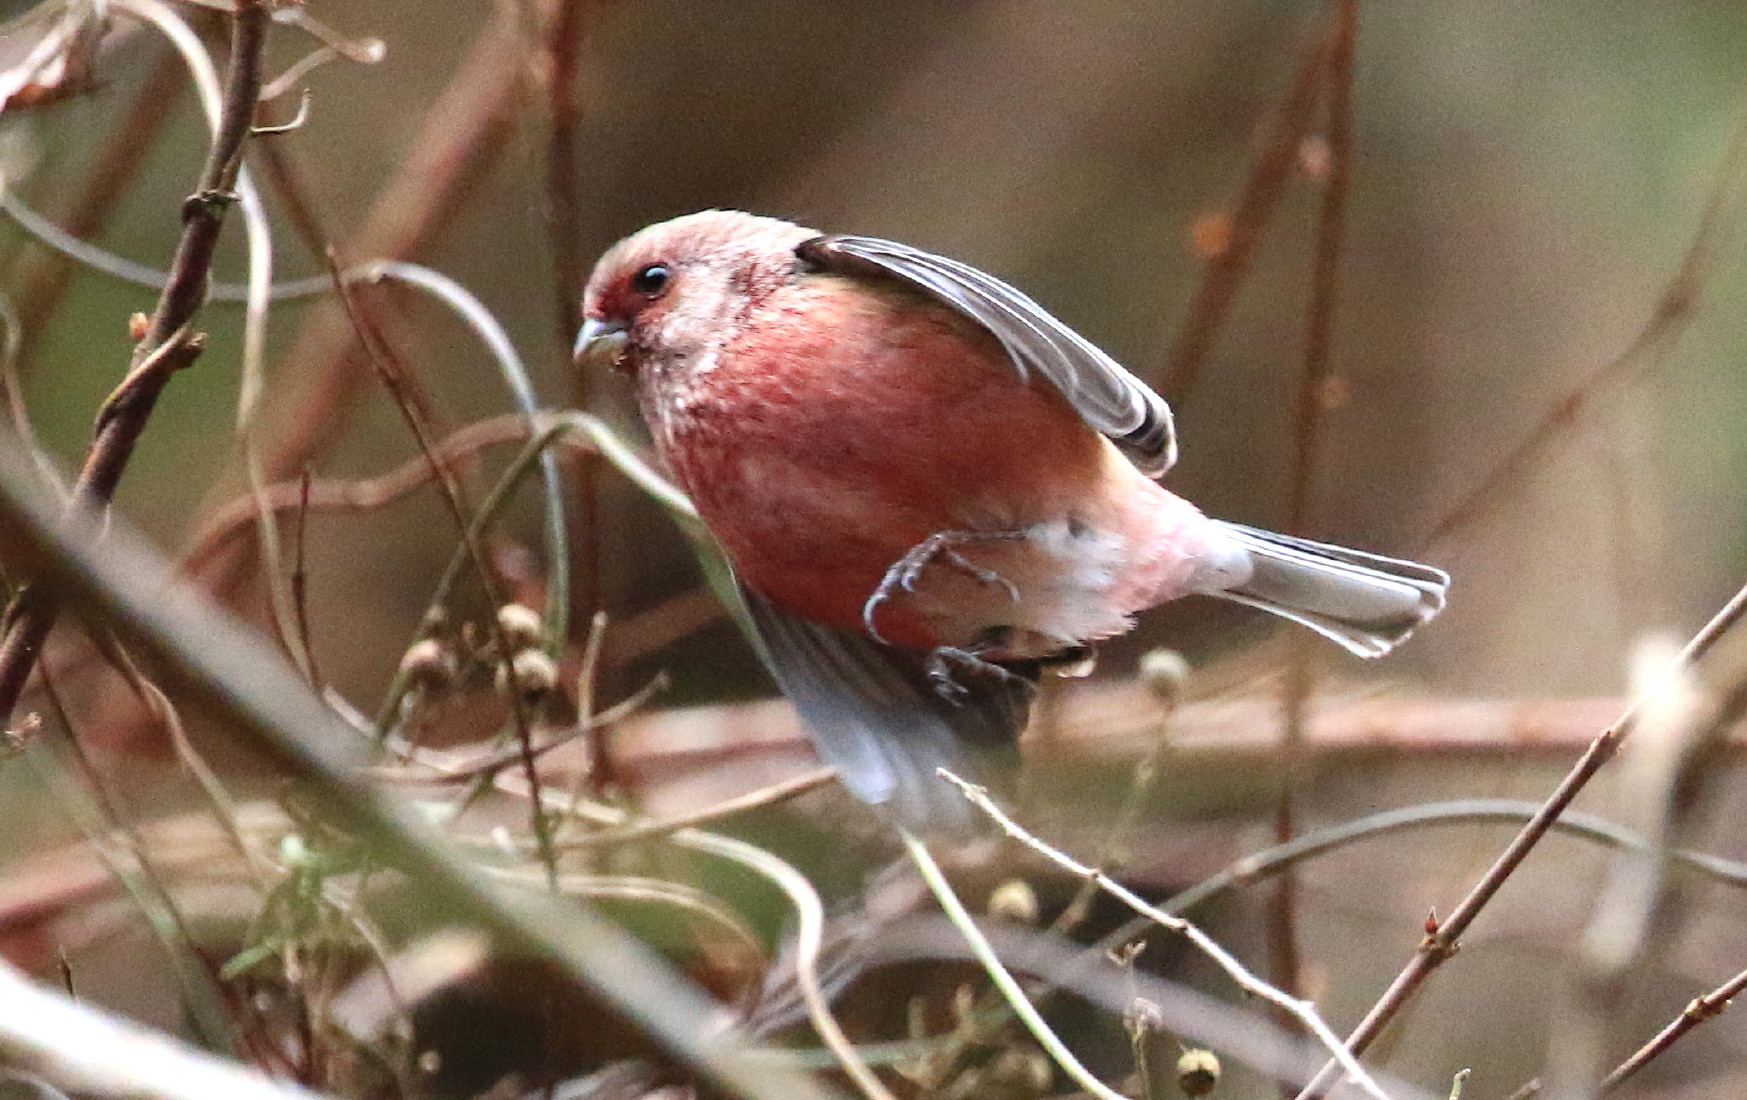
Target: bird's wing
(877, 718)
(1110, 399)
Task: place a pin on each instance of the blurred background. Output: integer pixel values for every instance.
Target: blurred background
(1527, 215)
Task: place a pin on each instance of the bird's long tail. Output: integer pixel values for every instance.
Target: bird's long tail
(1366, 602)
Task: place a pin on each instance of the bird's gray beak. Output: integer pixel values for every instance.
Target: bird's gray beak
(599, 341)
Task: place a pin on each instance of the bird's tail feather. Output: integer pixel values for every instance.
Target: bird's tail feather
(1365, 602)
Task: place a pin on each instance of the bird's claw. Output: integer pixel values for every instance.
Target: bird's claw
(903, 574)
(947, 663)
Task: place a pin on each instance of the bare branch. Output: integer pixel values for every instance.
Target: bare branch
(167, 337)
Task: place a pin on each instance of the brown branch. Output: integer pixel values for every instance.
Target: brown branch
(1264, 186)
(1441, 943)
(1308, 426)
(168, 343)
(465, 130)
(236, 517)
(564, 35)
(1697, 1011)
(1114, 722)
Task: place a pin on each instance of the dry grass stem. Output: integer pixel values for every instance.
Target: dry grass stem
(1301, 1011)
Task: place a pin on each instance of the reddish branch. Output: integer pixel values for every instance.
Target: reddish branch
(169, 343)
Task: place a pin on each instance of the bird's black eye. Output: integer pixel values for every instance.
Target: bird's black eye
(651, 279)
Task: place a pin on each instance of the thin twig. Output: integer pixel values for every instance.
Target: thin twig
(300, 577)
(490, 763)
(33, 613)
(396, 380)
(1441, 943)
(1302, 1011)
(998, 973)
(1697, 1011)
(1718, 227)
(751, 800)
(1264, 186)
(256, 295)
(556, 617)
(593, 773)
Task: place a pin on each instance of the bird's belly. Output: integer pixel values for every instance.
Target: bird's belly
(1023, 574)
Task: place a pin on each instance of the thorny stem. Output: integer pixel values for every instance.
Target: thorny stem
(168, 342)
(1442, 942)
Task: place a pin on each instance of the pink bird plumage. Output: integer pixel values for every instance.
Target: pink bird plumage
(929, 489)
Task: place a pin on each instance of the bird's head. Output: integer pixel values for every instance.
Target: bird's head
(668, 294)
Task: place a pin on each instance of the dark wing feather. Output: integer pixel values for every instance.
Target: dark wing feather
(875, 716)
(1110, 399)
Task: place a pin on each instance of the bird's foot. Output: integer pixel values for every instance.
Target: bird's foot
(907, 570)
(948, 664)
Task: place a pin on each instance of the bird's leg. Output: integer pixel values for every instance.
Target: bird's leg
(907, 570)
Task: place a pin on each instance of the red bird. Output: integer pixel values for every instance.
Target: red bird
(930, 489)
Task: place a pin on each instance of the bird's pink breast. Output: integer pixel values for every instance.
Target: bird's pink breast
(844, 425)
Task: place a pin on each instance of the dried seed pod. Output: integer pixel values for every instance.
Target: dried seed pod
(535, 674)
(429, 664)
(1164, 672)
(1197, 1072)
(521, 625)
(1014, 900)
